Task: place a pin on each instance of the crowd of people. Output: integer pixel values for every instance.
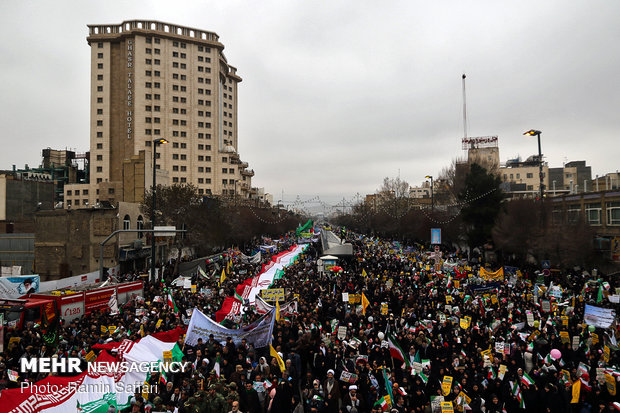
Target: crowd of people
(385, 331)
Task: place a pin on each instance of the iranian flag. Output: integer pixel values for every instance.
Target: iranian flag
(172, 304)
(516, 391)
(395, 350)
(96, 391)
(383, 403)
(527, 380)
(424, 377)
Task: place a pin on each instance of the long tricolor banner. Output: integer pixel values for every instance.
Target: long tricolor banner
(95, 391)
(250, 288)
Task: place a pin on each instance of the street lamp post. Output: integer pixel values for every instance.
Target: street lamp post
(156, 142)
(534, 132)
(432, 195)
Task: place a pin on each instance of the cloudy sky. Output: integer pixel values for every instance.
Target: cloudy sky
(338, 95)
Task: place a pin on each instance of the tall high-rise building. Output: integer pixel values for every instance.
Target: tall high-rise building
(152, 80)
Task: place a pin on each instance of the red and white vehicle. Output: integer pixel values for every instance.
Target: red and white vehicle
(43, 308)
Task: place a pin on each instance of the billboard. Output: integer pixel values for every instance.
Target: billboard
(435, 235)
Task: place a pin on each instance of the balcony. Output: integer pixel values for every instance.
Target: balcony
(247, 172)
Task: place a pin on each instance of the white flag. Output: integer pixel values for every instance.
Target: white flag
(113, 304)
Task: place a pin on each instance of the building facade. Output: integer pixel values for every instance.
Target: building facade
(152, 80)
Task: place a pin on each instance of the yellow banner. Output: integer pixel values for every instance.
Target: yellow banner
(565, 337)
(159, 323)
(355, 298)
(606, 353)
(384, 309)
(610, 382)
(167, 356)
(446, 407)
(446, 385)
(104, 329)
(465, 322)
(273, 294)
(495, 275)
(594, 338)
(91, 356)
(449, 299)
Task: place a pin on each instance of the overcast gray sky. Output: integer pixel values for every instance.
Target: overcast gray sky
(336, 95)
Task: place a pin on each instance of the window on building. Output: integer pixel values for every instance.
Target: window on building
(175, 156)
(99, 55)
(99, 180)
(99, 111)
(175, 168)
(208, 169)
(140, 225)
(100, 134)
(613, 213)
(231, 171)
(175, 180)
(99, 88)
(572, 214)
(126, 222)
(157, 61)
(100, 157)
(99, 65)
(224, 170)
(183, 157)
(224, 159)
(110, 190)
(148, 85)
(148, 61)
(530, 175)
(77, 202)
(593, 213)
(68, 192)
(100, 146)
(100, 169)
(99, 100)
(149, 50)
(224, 181)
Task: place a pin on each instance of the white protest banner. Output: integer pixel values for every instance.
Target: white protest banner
(599, 317)
(575, 343)
(342, 332)
(187, 283)
(258, 333)
(348, 377)
(546, 306)
(530, 318)
(417, 367)
(15, 287)
(499, 347)
(345, 297)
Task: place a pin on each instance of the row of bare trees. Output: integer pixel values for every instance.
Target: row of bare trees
(472, 211)
(213, 223)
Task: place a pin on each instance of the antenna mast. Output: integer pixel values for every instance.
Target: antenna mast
(464, 109)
